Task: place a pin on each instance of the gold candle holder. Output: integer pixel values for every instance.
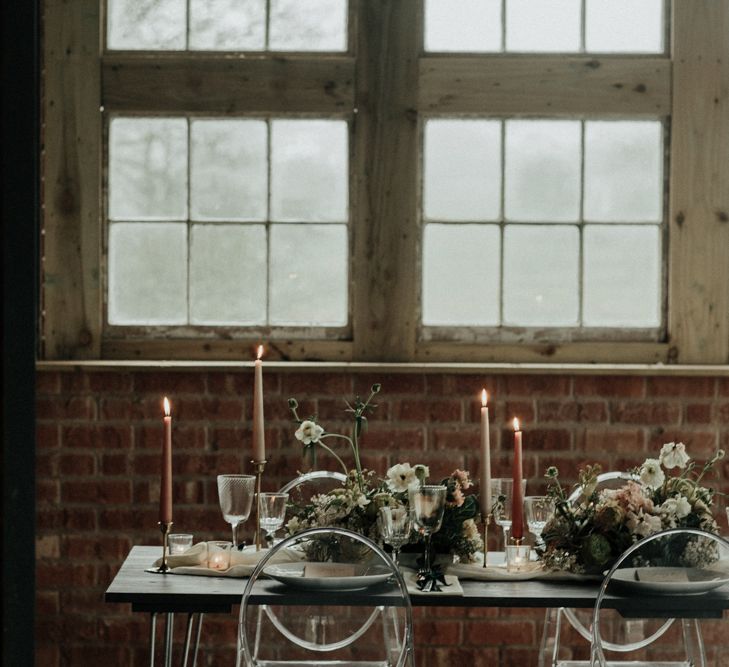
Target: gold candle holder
(486, 521)
(165, 528)
(259, 467)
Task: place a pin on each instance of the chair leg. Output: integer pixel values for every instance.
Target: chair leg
(694, 642)
(197, 638)
(549, 645)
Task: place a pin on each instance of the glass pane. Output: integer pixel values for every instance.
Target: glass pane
(624, 26)
(308, 25)
(228, 274)
(622, 276)
(220, 25)
(546, 25)
(461, 267)
(148, 169)
(229, 170)
(146, 24)
(309, 171)
(540, 275)
(147, 273)
(463, 25)
(542, 171)
(462, 168)
(309, 277)
(623, 171)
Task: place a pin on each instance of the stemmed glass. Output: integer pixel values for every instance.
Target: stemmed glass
(235, 493)
(427, 504)
(502, 489)
(538, 510)
(272, 509)
(395, 527)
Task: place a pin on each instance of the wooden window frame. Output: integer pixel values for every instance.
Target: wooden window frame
(387, 84)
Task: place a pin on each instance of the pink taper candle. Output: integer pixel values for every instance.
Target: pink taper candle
(165, 489)
(485, 495)
(259, 446)
(517, 498)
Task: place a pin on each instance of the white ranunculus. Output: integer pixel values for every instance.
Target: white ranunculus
(401, 477)
(309, 432)
(683, 507)
(673, 455)
(651, 474)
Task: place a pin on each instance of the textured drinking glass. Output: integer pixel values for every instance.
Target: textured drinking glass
(235, 493)
(427, 504)
(219, 555)
(395, 527)
(179, 543)
(272, 508)
(538, 510)
(502, 489)
(517, 557)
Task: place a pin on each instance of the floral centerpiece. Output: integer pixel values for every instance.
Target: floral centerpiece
(355, 505)
(587, 536)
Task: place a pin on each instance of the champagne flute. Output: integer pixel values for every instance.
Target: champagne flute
(502, 489)
(272, 508)
(395, 527)
(427, 505)
(538, 510)
(235, 493)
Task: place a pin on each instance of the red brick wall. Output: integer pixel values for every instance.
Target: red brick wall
(99, 437)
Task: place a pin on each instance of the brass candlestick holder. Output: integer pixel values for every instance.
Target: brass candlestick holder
(486, 521)
(165, 530)
(259, 467)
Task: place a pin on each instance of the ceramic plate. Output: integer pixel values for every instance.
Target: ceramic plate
(293, 574)
(671, 580)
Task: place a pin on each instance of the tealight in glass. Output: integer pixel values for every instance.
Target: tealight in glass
(179, 543)
(517, 557)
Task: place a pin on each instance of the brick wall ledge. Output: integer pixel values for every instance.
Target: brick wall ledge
(705, 370)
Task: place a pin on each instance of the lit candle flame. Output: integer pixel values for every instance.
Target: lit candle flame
(484, 398)
(259, 353)
(516, 424)
(167, 407)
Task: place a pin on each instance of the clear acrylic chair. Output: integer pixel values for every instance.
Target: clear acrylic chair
(684, 561)
(303, 487)
(326, 626)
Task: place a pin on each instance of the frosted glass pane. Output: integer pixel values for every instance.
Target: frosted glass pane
(543, 25)
(540, 275)
(463, 25)
(146, 24)
(461, 275)
(147, 273)
(624, 26)
(462, 168)
(148, 169)
(622, 276)
(228, 274)
(308, 25)
(309, 277)
(542, 171)
(310, 175)
(229, 170)
(228, 25)
(623, 171)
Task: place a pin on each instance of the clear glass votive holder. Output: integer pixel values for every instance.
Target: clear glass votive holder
(219, 555)
(517, 557)
(179, 543)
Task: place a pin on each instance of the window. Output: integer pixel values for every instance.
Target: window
(420, 180)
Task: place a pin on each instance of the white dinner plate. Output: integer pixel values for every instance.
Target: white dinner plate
(293, 574)
(671, 580)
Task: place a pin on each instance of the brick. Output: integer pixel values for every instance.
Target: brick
(647, 414)
(611, 440)
(47, 546)
(572, 411)
(55, 576)
(393, 384)
(116, 409)
(47, 382)
(169, 383)
(438, 633)
(458, 438)
(316, 384)
(609, 386)
(539, 439)
(394, 439)
(451, 657)
(500, 632)
(47, 603)
(47, 656)
(46, 465)
(699, 444)
(115, 464)
(47, 491)
(77, 464)
(697, 413)
(47, 436)
(419, 410)
(110, 382)
(681, 387)
(75, 407)
(237, 384)
(95, 436)
(537, 385)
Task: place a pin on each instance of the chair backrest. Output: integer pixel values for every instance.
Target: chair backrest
(353, 608)
(605, 480)
(676, 565)
(303, 487)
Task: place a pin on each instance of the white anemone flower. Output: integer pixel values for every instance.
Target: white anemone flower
(651, 474)
(309, 432)
(401, 477)
(673, 455)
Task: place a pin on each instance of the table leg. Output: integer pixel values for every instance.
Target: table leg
(197, 639)
(168, 639)
(152, 637)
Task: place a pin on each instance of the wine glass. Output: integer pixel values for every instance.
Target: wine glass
(538, 510)
(427, 505)
(502, 489)
(395, 527)
(272, 510)
(235, 493)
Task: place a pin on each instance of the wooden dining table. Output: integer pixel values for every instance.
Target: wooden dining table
(168, 594)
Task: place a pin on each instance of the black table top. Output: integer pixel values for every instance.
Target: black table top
(147, 591)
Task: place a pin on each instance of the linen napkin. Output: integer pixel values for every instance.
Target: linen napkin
(242, 563)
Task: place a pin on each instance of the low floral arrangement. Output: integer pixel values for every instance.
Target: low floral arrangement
(355, 505)
(587, 536)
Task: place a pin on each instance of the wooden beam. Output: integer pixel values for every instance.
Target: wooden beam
(553, 85)
(71, 321)
(699, 201)
(227, 84)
